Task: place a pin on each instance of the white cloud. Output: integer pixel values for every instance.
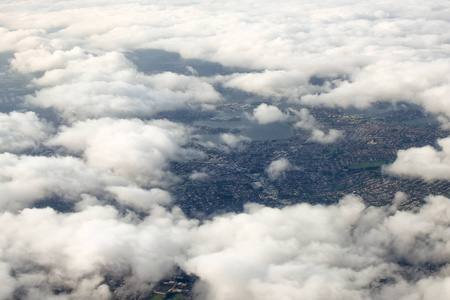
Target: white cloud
(278, 84)
(420, 82)
(308, 122)
(344, 250)
(26, 179)
(83, 245)
(35, 60)
(266, 114)
(426, 162)
(191, 70)
(375, 52)
(22, 39)
(325, 53)
(68, 179)
(196, 175)
(318, 251)
(22, 131)
(233, 140)
(319, 136)
(139, 198)
(109, 85)
(6, 281)
(134, 149)
(278, 167)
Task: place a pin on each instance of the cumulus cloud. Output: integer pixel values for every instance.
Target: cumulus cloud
(45, 177)
(320, 136)
(266, 114)
(35, 60)
(318, 251)
(328, 53)
(68, 179)
(133, 149)
(345, 250)
(274, 83)
(278, 167)
(140, 199)
(416, 82)
(233, 140)
(325, 55)
(22, 131)
(308, 122)
(426, 162)
(21, 39)
(109, 85)
(82, 246)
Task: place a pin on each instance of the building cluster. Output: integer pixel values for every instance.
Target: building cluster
(320, 173)
(177, 287)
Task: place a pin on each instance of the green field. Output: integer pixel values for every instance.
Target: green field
(169, 297)
(164, 288)
(339, 187)
(368, 165)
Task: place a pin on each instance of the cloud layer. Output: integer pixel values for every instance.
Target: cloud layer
(344, 250)
(22, 131)
(109, 85)
(132, 148)
(329, 53)
(110, 160)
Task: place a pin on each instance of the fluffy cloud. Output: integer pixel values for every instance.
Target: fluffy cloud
(68, 179)
(420, 82)
(82, 246)
(325, 53)
(266, 114)
(308, 122)
(22, 39)
(233, 140)
(278, 167)
(426, 162)
(22, 131)
(319, 136)
(134, 149)
(345, 250)
(44, 177)
(35, 60)
(109, 85)
(318, 251)
(138, 198)
(278, 84)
